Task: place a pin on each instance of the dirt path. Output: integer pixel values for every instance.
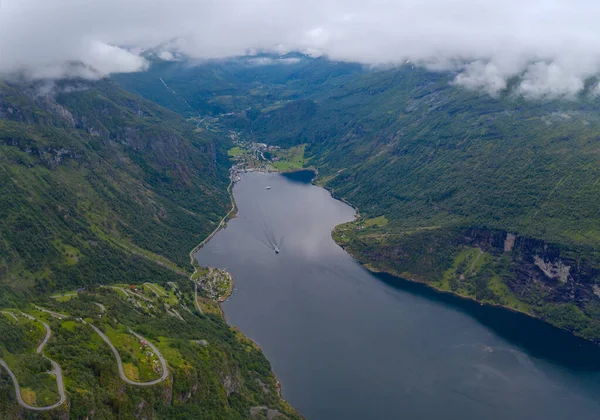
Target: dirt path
(475, 260)
(196, 297)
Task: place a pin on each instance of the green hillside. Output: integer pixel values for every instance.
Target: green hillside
(241, 85)
(432, 154)
(95, 174)
(99, 186)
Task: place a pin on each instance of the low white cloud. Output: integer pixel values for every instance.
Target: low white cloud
(482, 76)
(166, 56)
(550, 79)
(552, 44)
(266, 61)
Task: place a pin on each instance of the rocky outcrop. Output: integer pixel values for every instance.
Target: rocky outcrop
(509, 242)
(553, 270)
(565, 274)
(231, 383)
(266, 413)
(48, 156)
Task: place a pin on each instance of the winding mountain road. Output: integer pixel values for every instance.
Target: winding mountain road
(163, 363)
(156, 290)
(11, 314)
(129, 293)
(174, 313)
(54, 314)
(56, 371)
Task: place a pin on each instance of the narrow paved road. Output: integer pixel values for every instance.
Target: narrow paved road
(193, 261)
(156, 290)
(128, 293)
(163, 363)
(218, 228)
(56, 371)
(65, 295)
(48, 332)
(174, 313)
(11, 314)
(55, 314)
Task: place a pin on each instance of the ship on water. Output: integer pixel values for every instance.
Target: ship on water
(268, 188)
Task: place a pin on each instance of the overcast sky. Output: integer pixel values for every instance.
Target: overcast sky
(553, 44)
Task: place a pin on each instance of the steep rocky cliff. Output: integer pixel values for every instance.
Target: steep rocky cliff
(558, 283)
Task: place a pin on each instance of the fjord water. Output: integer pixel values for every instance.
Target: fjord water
(347, 344)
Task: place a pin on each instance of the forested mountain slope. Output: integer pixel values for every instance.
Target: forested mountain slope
(491, 198)
(429, 152)
(88, 171)
(239, 85)
(494, 198)
(99, 186)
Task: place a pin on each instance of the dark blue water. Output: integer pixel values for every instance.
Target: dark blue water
(346, 344)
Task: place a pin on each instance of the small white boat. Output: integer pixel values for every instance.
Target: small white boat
(268, 188)
(276, 249)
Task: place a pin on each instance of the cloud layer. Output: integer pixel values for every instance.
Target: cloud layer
(553, 45)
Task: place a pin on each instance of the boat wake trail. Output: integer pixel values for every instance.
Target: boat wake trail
(269, 239)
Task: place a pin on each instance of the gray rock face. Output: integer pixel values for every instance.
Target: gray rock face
(509, 242)
(231, 384)
(266, 412)
(556, 270)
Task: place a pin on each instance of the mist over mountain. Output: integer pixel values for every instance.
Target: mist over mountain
(551, 46)
(466, 134)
